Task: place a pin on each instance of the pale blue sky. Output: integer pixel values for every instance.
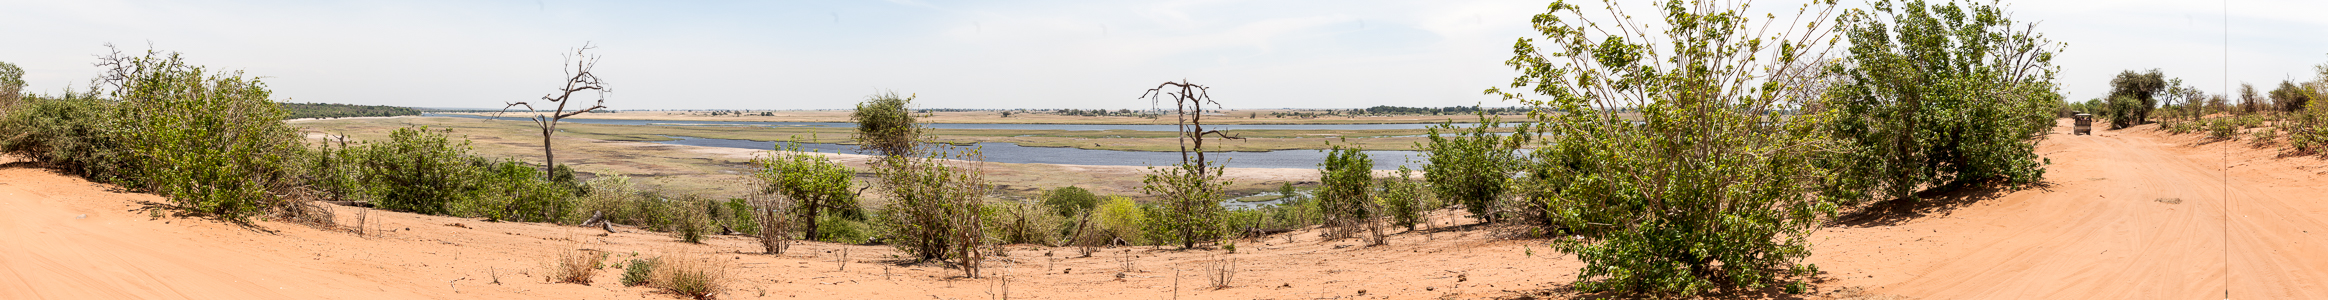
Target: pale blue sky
(986, 54)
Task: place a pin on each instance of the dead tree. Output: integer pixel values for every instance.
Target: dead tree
(1189, 101)
(1190, 188)
(578, 80)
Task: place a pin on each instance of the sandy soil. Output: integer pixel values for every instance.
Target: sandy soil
(2129, 214)
(2126, 214)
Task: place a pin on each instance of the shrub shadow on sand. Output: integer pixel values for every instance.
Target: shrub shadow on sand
(1940, 201)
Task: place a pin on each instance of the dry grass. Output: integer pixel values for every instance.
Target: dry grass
(573, 265)
(690, 274)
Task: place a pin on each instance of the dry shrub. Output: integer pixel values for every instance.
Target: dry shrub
(1220, 272)
(1014, 222)
(573, 265)
(689, 274)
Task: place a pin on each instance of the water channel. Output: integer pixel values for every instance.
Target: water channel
(1069, 127)
(1013, 153)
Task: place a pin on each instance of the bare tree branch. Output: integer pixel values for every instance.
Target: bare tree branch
(579, 79)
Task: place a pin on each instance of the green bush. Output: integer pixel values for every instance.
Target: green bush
(2222, 128)
(739, 217)
(1472, 165)
(2133, 95)
(1070, 201)
(840, 229)
(1013, 222)
(1402, 199)
(810, 184)
(886, 126)
(935, 215)
(73, 134)
(637, 271)
(1119, 218)
(423, 171)
(1348, 194)
(11, 85)
(1684, 175)
(1927, 100)
(1189, 204)
(210, 141)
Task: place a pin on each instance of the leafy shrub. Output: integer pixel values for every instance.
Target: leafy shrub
(2222, 128)
(1945, 94)
(1190, 208)
(935, 215)
(2132, 94)
(885, 126)
(1348, 194)
(639, 271)
(1013, 222)
(11, 85)
(210, 141)
(739, 216)
(1119, 218)
(1402, 199)
(1070, 201)
(423, 171)
(73, 134)
(691, 225)
(1471, 165)
(1684, 176)
(840, 229)
(809, 184)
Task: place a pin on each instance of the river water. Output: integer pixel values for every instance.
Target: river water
(1013, 153)
(1071, 127)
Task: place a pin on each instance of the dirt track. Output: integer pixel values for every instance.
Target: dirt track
(2130, 214)
(2125, 214)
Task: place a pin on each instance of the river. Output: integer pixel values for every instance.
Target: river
(1013, 153)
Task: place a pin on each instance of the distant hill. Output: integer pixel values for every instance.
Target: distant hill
(329, 110)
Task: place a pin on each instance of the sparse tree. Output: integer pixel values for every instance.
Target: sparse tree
(579, 79)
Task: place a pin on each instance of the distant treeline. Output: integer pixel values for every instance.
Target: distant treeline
(1450, 110)
(330, 110)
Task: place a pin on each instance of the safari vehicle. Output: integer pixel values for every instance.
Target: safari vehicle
(2085, 124)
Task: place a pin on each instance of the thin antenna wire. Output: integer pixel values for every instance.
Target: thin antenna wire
(2226, 155)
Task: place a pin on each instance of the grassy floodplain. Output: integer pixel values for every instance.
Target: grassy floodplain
(717, 172)
(1232, 117)
(1125, 140)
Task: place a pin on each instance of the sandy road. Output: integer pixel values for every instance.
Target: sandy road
(2129, 214)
